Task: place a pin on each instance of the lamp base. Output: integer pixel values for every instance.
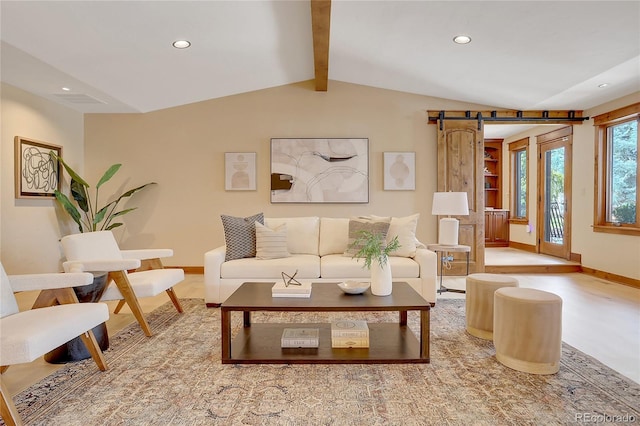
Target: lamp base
(448, 231)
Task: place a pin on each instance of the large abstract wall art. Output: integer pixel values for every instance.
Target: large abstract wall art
(37, 174)
(313, 170)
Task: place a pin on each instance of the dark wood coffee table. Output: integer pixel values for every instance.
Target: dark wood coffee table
(388, 342)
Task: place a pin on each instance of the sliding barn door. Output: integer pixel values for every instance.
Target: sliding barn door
(460, 169)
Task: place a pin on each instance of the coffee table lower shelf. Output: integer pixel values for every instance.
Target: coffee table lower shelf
(389, 343)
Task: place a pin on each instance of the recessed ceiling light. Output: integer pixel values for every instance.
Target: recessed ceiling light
(462, 39)
(181, 44)
(603, 85)
(66, 89)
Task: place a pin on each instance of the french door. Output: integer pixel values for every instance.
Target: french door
(554, 193)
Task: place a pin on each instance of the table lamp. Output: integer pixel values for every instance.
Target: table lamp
(447, 204)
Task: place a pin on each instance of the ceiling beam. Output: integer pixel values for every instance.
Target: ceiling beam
(320, 24)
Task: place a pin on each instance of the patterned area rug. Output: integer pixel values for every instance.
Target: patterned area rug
(176, 378)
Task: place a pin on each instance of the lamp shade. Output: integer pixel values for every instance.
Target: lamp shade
(450, 204)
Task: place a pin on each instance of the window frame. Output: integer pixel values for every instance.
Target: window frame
(514, 148)
(602, 123)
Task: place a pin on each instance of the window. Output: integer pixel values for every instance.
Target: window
(519, 206)
(617, 171)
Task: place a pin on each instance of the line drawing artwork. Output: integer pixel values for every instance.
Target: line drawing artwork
(313, 170)
(37, 174)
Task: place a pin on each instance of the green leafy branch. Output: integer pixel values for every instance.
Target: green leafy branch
(92, 218)
(372, 245)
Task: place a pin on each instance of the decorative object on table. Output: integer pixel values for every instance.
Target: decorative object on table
(240, 171)
(354, 287)
(95, 218)
(374, 249)
(287, 289)
(399, 171)
(349, 334)
(449, 204)
(37, 174)
(326, 170)
(300, 338)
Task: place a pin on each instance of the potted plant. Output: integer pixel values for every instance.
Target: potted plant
(374, 249)
(92, 217)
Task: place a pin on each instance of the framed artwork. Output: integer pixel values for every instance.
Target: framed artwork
(399, 171)
(311, 170)
(37, 174)
(240, 171)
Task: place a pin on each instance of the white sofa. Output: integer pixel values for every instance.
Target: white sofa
(316, 246)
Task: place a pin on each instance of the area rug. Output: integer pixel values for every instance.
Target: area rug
(176, 378)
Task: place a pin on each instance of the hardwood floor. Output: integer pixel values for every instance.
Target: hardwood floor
(600, 318)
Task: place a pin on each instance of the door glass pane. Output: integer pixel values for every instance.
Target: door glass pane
(520, 186)
(554, 207)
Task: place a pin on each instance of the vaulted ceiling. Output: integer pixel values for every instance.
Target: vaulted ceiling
(117, 56)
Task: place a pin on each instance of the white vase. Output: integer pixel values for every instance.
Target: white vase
(380, 278)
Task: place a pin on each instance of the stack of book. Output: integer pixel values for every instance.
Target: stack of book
(281, 290)
(300, 337)
(349, 334)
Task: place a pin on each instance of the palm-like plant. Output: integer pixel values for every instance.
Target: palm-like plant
(373, 246)
(92, 218)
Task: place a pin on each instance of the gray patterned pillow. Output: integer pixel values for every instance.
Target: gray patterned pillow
(357, 225)
(240, 235)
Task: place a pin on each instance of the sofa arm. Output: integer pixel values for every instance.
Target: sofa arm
(428, 262)
(213, 261)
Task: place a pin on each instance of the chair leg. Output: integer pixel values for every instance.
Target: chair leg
(8, 410)
(174, 299)
(92, 345)
(121, 280)
(119, 307)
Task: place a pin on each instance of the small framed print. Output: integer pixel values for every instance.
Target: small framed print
(37, 174)
(240, 171)
(399, 171)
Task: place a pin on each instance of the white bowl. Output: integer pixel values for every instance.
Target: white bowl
(354, 287)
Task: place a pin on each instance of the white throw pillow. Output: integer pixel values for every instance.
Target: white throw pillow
(271, 243)
(405, 229)
(305, 232)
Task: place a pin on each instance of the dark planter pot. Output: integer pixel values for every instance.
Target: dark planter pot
(75, 350)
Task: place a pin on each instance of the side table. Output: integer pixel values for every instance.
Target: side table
(443, 251)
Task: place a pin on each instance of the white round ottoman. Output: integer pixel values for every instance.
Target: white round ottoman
(527, 329)
(479, 304)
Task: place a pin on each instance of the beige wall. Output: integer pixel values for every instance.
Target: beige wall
(29, 229)
(617, 254)
(183, 150)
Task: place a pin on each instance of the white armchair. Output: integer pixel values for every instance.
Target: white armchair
(27, 335)
(99, 251)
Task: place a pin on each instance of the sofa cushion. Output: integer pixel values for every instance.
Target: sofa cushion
(240, 235)
(334, 235)
(271, 243)
(378, 225)
(339, 266)
(307, 265)
(405, 229)
(303, 233)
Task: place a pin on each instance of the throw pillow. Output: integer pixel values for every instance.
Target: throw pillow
(271, 243)
(357, 225)
(405, 229)
(240, 235)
